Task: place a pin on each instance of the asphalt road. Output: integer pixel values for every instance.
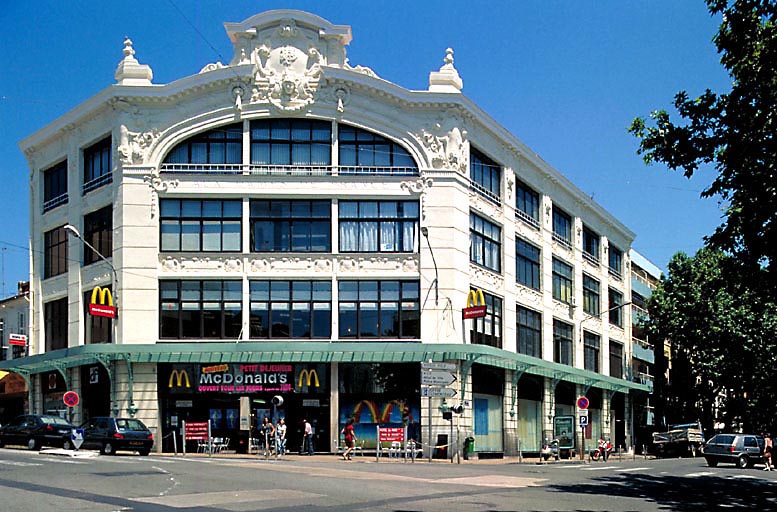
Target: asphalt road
(41, 482)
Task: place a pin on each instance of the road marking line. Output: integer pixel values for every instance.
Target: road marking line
(19, 463)
(631, 469)
(598, 468)
(701, 473)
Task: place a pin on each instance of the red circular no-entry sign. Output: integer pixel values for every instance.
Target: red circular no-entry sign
(70, 398)
(582, 403)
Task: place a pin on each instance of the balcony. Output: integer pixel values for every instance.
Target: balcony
(528, 219)
(54, 202)
(287, 170)
(487, 194)
(562, 241)
(643, 351)
(97, 182)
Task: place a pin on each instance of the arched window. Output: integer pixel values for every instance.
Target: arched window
(223, 145)
(367, 153)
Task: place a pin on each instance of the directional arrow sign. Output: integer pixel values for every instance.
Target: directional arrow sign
(437, 378)
(451, 367)
(438, 392)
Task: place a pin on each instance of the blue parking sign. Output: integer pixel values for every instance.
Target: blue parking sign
(583, 421)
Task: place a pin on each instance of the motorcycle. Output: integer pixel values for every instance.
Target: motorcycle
(604, 450)
(549, 449)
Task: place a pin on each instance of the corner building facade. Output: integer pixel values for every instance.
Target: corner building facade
(289, 224)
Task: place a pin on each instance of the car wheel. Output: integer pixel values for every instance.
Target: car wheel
(742, 461)
(67, 445)
(108, 449)
(32, 444)
(712, 463)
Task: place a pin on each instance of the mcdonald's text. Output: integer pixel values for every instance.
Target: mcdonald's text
(102, 310)
(474, 312)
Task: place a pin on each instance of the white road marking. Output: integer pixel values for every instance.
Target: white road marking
(701, 473)
(597, 468)
(19, 463)
(631, 469)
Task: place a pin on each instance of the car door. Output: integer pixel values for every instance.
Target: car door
(90, 435)
(11, 433)
(751, 447)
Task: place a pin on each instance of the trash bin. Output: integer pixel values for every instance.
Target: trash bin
(469, 446)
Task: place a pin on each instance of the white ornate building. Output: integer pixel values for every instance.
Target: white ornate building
(287, 223)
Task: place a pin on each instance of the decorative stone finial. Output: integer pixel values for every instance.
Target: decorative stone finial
(447, 79)
(130, 71)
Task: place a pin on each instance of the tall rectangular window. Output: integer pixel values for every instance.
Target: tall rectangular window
(591, 296)
(529, 327)
(55, 319)
(488, 329)
(378, 226)
(99, 329)
(55, 186)
(200, 309)
(616, 359)
(562, 227)
(615, 261)
(527, 204)
(301, 142)
(486, 176)
(291, 226)
(591, 243)
(562, 281)
(485, 243)
(591, 346)
(54, 252)
(97, 165)
(291, 309)
(562, 342)
(527, 264)
(98, 231)
(379, 309)
(194, 225)
(616, 313)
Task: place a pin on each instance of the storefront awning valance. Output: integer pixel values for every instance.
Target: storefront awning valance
(312, 352)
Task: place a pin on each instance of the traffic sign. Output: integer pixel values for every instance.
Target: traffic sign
(451, 367)
(582, 403)
(17, 340)
(70, 398)
(438, 392)
(77, 436)
(437, 378)
(583, 421)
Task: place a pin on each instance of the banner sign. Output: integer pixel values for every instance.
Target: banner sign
(391, 434)
(246, 378)
(196, 431)
(105, 305)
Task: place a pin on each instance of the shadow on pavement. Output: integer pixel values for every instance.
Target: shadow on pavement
(680, 493)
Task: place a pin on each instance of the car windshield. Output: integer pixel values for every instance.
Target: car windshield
(53, 420)
(130, 424)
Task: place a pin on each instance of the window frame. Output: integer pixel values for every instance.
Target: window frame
(97, 165)
(488, 330)
(55, 318)
(616, 349)
(592, 296)
(592, 344)
(204, 297)
(369, 301)
(485, 175)
(364, 143)
(54, 181)
(528, 266)
(55, 252)
(274, 300)
(228, 137)
(615, 315)
(527, 204)
(285, 136)
(592, 245)
(489, 245)
(560, 329)
(182, 224)
(362, 223)
(287, 221)
(528, 326)
(98, 231)
(562, 227)
(563, 284)
(615, 262)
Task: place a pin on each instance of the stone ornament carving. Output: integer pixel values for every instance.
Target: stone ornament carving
(189, 263)
(170, 264)
(134, 147)
(445, 142)
(529, 296)
(259, 266)
(418, 186)
(360, 69)
(287, 69)
(157, 184)
(482, 275)
(213, 66)
(290, 265)
(393, 263)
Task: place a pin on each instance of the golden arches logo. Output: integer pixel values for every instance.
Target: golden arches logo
(102, 293)
(180, 376)
(475, 298)
(383, 416)
(357, 411)
(310, 375)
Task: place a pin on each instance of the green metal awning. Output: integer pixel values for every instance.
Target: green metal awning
(312, 352)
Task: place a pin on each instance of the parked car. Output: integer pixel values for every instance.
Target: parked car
(744, 450)
(37, 430)
(111, 434)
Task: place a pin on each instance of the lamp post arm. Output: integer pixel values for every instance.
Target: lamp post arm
(75, 233)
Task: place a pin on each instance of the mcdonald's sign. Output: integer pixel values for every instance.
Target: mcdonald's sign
(105, 305)
(180, 377)
(476, 305)
(310, 375)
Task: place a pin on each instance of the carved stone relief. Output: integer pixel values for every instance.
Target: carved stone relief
(134, 147)
(528, 296)
(480, 274)
(446, 144)
(157, 184)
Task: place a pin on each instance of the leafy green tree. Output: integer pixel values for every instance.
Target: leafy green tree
(734, 131)
(723, 336)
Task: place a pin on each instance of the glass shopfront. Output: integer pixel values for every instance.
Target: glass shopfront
(202, 392)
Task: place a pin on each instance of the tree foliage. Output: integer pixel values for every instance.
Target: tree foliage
(734, 131)
(723, 335)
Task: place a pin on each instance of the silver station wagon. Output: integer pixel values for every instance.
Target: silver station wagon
(744, 450)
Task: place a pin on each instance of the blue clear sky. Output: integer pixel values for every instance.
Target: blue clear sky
(566, 77)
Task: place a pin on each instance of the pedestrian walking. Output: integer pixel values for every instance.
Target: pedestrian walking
(350, 438)
(308, 436)
(768, 448)
(267, 431)
(280, 436)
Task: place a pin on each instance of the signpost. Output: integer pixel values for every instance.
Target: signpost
(450, 367)
(70, 398)
(437, 378)
(438, 392)
(582, 405)
(77, 436)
